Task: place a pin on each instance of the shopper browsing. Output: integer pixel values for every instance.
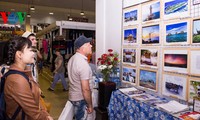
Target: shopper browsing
(79, 73)
(18, 90)
(59, 72)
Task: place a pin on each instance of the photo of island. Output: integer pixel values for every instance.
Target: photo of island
(151, 11)
(129, 56)
(148, 79)
(176, 32)
(150, 34)
(130, 36)
(196, 31)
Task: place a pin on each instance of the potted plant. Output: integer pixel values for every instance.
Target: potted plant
(107, 64)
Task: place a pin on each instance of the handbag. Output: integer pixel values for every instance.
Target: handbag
(68, 112)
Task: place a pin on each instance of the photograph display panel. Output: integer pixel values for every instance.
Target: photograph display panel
(151, 35)
(151, 11)
(175, 60)
(130, 36)
(129, 75)
(149, 57)
(148, 79)
(177, 33)
(129, 56)
(195, 62)
(131, 16)
(194, 88)
(174, 85)
(176, 9)
(196, 31)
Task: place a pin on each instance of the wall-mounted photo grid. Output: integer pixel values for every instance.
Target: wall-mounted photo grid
(161, 46)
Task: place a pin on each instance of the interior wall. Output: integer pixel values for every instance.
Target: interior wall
(108, 26)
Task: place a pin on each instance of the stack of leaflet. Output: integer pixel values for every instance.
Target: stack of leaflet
(173, 107)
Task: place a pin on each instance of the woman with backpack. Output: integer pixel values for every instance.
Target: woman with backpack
(19, 91)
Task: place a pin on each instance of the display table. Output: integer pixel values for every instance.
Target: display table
(122, 107)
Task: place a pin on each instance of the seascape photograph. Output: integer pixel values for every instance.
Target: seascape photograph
(150, 34)
(151, 11)
(176, 32)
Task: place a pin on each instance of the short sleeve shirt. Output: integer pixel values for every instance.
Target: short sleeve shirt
(78, 69)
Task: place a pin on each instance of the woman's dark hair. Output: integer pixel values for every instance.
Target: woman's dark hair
(17, 44)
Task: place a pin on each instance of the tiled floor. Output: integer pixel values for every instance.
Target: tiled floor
(57, 98)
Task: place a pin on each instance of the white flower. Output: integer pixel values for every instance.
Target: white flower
(102, 67)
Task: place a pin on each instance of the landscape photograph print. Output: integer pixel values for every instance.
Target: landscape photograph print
(174, 86)
(176, 33)
(196, 31)
(148, 79)
(130, 16)
(176, 61)
(176, 8)
(151, 11)
(129, 55)
(130, 36)
(149, 57)
(150, 34)
(129, 75)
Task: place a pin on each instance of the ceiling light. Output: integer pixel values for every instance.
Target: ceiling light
(70, 19)
(12, 9)
(28, 15)
(51, 13)
(84, 16)
(32, 8)
(82, 13)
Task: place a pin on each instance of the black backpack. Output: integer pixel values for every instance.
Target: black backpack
(3, 115)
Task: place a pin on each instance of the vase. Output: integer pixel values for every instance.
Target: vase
(105, 91)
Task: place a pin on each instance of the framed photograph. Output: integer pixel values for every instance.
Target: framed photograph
(175, 60)
(176, 9)
(151, 11)
(148, 79)
(130, 36)
(194, 88)
(129, 56)
(196, 104)
(196, 31)
(151, 35)
(131, 16)
(194, 61)
(149, 57)
(174, 85)
(177, 33)
(129, 75)
(196, 2)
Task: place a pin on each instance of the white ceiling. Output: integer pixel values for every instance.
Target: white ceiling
(60, 8)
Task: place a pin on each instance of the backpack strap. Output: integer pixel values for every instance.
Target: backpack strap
(2, 89)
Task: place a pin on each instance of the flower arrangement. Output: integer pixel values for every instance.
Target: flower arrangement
(107, 63)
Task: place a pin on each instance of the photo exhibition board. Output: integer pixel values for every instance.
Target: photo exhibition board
(173, 29)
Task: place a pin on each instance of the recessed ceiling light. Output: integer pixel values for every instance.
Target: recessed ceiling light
(32, 8)
(51, 13)
(82, 13)
(28, 15)
(12, 9)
